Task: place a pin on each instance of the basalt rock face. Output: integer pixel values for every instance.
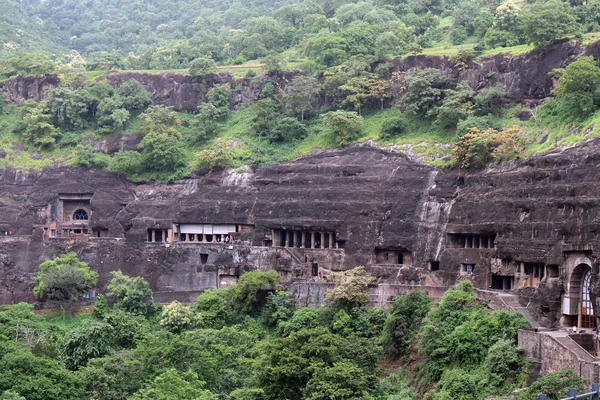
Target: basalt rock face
(525, 78)
(529, 226)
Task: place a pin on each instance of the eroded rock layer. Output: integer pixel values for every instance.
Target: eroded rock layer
(528, 228)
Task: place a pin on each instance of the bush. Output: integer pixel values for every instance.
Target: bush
(177, 317)
(392, 127)
(202, 67)
(132, 294)
(100, 307)
(489, 101)
(279, 307)
(288, 129)
(425, 90)
(351, 287)
(579, 87)
(86, 157)
(345, 125)
(250, 292)
(219, 156)
(403, 321)
(64, 279)
(505, 363)
(88, 341)
(480, 123)
(477, 148)
(554, 385)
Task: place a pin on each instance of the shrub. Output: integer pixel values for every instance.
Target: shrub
(344, 125)
(219, 156)
(351, 287)
(64, 279)
(480, 123)
(132, 294)
(86, 157)
(392, 127)
(477, 148)
(554, 385)
(203, 67)
(489, 101)
(403, 321)
(86, 342)
(177, 317)
(288, 129)
(425, 90)
(579, 87)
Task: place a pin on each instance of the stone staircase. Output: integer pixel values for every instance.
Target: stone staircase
(511, 302)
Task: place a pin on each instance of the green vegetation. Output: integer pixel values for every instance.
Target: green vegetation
(251, 341)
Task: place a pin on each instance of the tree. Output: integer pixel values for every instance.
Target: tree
(132, 294)
(457, 105)
(287, 129)
(64, 279)
(477, 148)
(424, 90)
(344, 125)
(352, 287)
(177, 317)
(67, 108)
(203, 67)
(173, 385)
(162, 152)
(250, 292)
(27, 63)
(554, 385)
(159, 119)
(88, 341)
(392, 127)
(579, 86)
(545, 23)
(342, 381)
(39, 132)
(134, 95)
(218, 156)
(403, 321)
(274, 63)
(300, 94)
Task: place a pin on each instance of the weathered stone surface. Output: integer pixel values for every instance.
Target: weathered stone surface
(540, 211)
(526, 78)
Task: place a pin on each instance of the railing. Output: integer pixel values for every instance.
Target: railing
(594, 394)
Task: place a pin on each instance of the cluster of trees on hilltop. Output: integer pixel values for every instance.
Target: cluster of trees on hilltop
(251, 341)
(171, 34)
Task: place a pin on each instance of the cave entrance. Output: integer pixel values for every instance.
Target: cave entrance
(577, 304)
(502, 282)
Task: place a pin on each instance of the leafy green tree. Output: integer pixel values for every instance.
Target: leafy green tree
(101, 309)
(106, 62)
(132, 294)
(506, 28)
(489, 101)
(344, 380)
(327, 49)
(172, 385)
(86, 157)
(177, 317)
(2, 101)
(279, 307)
(251, 290)
(88, 341)
(274, 63)
(218, 156)
(425, 91)
(38, 378)
(203, 67)
(352, 287)
(67, 108)
(26, 63)
(545, 23)
(403, 321)
(128, 328)
(287, 129)
(113, 377)
(39, 131)
(505, 363)
(10, 395)
(457, 105)
(473, 122)
(159, 119)
(126, 162)
(300, 94)
(64, 279)
(392, 127)
(579, 86)
(345, 126)
(554, 385)
(134, 95)
(458, 384)
(162, 152)
(213, 306)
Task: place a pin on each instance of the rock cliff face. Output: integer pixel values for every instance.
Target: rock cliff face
(524, 77)
(530, 227)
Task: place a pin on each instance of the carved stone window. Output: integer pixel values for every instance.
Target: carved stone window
(80, 215)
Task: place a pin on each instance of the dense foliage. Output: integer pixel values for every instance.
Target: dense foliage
(250, 341)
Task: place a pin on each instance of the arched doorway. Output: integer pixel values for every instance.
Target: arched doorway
(578, 304)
